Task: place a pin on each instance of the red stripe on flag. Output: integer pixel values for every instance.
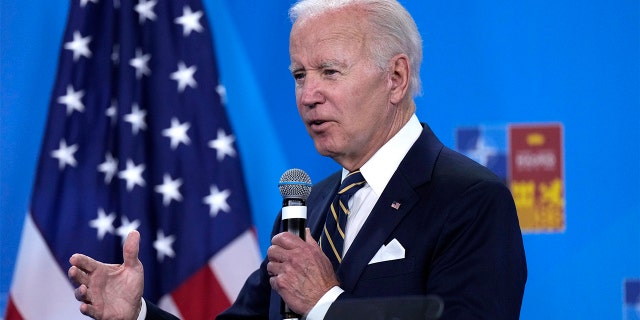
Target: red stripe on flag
(201, 296)
(12, 311)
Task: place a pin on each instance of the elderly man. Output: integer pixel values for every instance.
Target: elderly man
(423, 220)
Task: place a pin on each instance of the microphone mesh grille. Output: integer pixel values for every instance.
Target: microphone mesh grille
(295, 183)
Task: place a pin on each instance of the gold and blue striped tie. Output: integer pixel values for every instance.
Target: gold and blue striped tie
(332, 240)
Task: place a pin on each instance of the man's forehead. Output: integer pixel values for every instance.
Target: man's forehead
(332, 51)
(326, 41)
(320, 63)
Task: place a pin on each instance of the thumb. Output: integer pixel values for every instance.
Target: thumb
(131, 248)
(309, 238)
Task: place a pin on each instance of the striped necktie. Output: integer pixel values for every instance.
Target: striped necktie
(332, 240)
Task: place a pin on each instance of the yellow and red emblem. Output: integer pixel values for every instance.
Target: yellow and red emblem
(536, 176)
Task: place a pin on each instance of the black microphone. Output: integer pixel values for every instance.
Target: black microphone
(295, 187)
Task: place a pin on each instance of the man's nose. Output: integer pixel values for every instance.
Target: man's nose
(311, 93)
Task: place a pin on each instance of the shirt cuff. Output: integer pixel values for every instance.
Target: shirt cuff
(143, 310)
(322, 306)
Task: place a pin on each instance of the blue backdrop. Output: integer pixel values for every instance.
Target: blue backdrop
(485, 62)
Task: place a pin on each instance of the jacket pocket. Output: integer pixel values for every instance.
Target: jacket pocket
(390, 268)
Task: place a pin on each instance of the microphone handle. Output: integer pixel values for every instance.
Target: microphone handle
(296, 226)
(294, 220)
(294, 216)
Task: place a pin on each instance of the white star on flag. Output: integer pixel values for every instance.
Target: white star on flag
(109, 167)
(65, 154)
(104, 223)
(136, 118)
(190, 21)
(163, 245)
(83, 3)
(184, 76)
(177, 133)
(169, 189)
(73, 100)
(79, 46)
(133, 175)
(217, 200)
(126, 227)
(145, 10)
(140, 63)
(112, 111)
(223, 145)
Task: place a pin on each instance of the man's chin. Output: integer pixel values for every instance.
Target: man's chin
(325, 151)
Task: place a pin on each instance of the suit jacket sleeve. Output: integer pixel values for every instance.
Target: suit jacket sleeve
(155, 313)
(479, 266)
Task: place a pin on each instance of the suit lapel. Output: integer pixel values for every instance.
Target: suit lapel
(414, 171)
(379, 226)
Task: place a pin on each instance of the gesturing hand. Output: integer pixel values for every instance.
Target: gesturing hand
(110, 291)
(300, 271)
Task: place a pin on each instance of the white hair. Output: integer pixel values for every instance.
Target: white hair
(392, 23)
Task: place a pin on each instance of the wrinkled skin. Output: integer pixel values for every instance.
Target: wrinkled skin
(110, 291)
(349, 105)
(301, 273)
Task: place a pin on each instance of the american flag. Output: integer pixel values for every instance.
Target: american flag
(137, 138)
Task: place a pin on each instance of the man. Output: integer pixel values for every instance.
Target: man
(427, 221)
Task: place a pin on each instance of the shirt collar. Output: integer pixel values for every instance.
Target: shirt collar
(379, 169)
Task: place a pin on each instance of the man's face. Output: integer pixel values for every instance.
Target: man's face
(342, 97)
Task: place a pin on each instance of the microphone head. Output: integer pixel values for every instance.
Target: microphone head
(295, 183)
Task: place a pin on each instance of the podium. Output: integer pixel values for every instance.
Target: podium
(429, 307)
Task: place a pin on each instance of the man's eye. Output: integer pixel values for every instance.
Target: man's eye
(298, 75)
(330, 72)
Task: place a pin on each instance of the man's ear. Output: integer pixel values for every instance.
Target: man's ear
(399, 75)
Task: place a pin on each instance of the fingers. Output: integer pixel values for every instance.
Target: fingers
(287, 252)
(81, 293)
(276, 253)
(280, 244)
(86, 307)
(131, 249)
(273, 281)
(276, 256)
(77, 275)
(286, 240)
(84, 263)
(309, 238)
(88, 310)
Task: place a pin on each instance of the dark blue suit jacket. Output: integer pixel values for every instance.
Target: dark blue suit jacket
(457, 222)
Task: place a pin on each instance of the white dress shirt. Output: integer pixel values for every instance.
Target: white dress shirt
(377, 172)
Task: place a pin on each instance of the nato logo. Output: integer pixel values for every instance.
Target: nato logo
(631, 307)
(485, 145)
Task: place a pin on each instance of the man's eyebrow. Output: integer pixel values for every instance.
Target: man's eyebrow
(332, 64)
(294, 68)
(328, 64)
